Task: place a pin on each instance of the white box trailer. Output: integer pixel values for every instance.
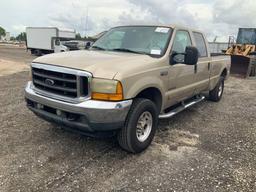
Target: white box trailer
(44, 40)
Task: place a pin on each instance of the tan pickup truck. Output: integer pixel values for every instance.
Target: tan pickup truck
(129, 78)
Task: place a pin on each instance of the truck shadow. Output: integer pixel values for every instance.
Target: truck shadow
(174, 132)
(59, 155)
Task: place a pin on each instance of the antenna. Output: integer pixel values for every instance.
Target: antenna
(215, 39)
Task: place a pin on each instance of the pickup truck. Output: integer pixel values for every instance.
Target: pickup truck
(129, 78)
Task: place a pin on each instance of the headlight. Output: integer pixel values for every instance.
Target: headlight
(107, 90)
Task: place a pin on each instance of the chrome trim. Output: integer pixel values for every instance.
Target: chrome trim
(59, 97)
(144, 126)
(77, 73)
(180, 108)
(60, 69)
(95, 111)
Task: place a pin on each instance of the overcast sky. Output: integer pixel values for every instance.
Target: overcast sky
(216, 18)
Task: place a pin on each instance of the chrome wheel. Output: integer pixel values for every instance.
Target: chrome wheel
(144, 126)
(220, 90)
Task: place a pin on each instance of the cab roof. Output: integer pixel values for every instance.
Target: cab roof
(173, 26)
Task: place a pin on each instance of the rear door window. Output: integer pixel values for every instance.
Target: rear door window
(200, 44)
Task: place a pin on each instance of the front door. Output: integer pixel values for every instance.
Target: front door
(181, 76)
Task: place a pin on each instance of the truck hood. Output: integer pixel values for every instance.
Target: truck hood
(103, 64)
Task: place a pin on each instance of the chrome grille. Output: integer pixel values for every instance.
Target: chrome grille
(63, 82)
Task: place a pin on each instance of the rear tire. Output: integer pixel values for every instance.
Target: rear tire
(217, 92)
(140, 126)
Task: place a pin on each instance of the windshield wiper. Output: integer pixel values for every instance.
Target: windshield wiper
(122, 50)
(99, 48)
(129, 51)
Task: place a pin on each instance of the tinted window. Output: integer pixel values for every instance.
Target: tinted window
(181, 41)
(200, 44)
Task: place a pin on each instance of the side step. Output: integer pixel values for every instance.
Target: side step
(181, 108)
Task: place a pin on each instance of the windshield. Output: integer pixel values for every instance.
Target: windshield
(136, 39)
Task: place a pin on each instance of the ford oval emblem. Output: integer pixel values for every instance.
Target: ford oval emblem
(49, 82)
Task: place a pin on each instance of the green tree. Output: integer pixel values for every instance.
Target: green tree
(22, 37)
(12, 38)
(2, 31)
(78, 36)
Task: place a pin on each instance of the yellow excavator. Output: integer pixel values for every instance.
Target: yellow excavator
(243, 53)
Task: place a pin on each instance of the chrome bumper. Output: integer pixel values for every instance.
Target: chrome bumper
(95, 115)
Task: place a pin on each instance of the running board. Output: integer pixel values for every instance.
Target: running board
(181, 108)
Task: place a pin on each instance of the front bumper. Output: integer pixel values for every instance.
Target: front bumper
(88, 116)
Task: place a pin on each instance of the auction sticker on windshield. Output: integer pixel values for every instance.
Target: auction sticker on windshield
(155, 52)
(162, 30)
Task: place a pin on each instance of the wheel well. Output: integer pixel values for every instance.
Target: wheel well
(224, 73)
(152, 94)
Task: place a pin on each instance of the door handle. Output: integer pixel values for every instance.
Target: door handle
(209, 66)
(195, 68)
(164, 73)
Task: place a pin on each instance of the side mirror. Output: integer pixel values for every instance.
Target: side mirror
(88, 45)
(191, 55)
(57, 42)
(176, 58)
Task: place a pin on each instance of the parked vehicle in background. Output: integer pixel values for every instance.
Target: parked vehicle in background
(128, 79)
(74, 45)
(77, 44)
(44, 40)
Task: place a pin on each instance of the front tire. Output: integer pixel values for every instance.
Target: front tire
(140, 126)
(38, 52)
(217, 92)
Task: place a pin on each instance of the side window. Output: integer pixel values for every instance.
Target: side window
(200, 44)
(181, 41)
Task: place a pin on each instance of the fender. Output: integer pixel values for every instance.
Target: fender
(214, 80)
(142, 84)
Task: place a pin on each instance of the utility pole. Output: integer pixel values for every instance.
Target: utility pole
(86, 21)
(215, 39)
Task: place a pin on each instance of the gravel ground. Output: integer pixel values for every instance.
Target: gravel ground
(15, 53)
(14, 59)
(209, 147)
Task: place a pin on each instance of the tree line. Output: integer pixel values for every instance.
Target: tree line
(23, 37)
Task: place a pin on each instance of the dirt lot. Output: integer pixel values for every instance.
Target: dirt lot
(15, 53)
(209, 147)
(13, 59)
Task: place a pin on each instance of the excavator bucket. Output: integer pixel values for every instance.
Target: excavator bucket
(243, 54)
(243, 66)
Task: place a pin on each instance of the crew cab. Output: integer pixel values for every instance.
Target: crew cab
(129, 79)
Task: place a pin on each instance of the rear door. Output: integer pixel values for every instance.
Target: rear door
(203, 66)
(181, 76)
